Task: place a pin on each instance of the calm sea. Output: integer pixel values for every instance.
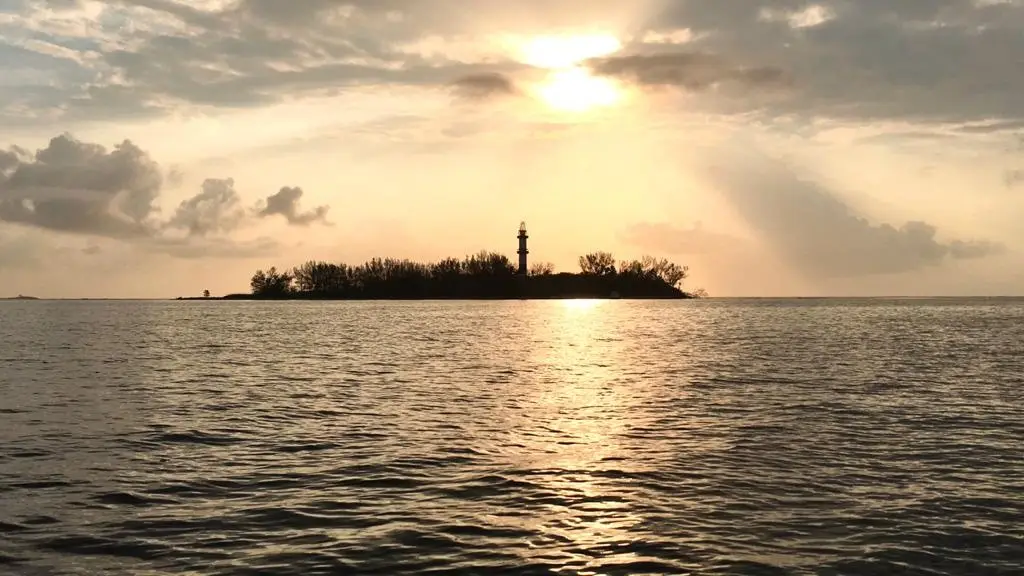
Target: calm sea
(708, 437)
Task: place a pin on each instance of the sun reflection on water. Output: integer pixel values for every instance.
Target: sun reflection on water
(582, 305)
(572, 445)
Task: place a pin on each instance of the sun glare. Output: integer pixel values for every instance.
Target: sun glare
(576, 90)
(559, 52)
(569, 87)
(583, 305)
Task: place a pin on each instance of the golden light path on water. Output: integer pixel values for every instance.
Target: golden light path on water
(568, 437)
(575, 442)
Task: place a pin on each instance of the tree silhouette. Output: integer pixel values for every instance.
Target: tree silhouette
(542, 269)
(598, 264)
(481, 275)
(668, 272)
(271, 283)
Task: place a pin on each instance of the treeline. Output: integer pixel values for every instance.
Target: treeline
(483, 275)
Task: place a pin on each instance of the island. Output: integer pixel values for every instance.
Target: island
(482, 276)
(20, 297)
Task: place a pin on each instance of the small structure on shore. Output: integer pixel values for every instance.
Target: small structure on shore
(522, 249)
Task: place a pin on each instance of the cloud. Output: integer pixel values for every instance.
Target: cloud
(9, 160)
(921, 60)
(85, 189)
(286, 203)
(217, 208)
(484, 85)
(73, 186)
(691, 70)
(809, 226)
(149, 57)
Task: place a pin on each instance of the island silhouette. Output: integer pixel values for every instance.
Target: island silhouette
(485, 275)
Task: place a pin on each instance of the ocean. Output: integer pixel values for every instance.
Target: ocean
(814, 436)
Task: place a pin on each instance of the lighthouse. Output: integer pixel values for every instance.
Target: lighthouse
(522, 248)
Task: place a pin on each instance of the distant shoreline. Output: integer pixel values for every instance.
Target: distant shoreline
(248, 297)
(315, 297)
(482, 276)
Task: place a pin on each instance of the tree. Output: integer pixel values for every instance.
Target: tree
(650, 268)
(598, 264)
(447, 268)
(206, 293)
(669, 272)
(634, 268)
(319, 277)
(542, 269)
(484, 274)
(271, 283)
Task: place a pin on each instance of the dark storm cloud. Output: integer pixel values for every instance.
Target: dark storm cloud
(84, 188)
(286, 203)
(810, 226)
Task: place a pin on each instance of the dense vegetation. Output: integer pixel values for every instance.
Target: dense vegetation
(483, 275)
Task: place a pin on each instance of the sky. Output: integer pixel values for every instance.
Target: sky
(159, 148)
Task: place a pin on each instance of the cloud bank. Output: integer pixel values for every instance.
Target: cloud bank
(810, 226)
(925, 60)
(83, 188)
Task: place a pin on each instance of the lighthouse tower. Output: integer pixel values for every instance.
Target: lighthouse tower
(522, 248)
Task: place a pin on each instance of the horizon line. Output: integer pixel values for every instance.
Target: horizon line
(805, 297)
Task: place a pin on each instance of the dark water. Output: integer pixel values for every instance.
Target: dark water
(714, 437)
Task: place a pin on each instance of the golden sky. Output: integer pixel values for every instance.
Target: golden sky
(156, 148)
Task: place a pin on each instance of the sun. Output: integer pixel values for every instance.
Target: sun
(569, 86)
(560, 52)
(576, 90)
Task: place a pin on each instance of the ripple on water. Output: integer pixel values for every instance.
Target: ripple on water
(719, 437)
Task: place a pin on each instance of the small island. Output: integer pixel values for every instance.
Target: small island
(482, 276)
(20, 297)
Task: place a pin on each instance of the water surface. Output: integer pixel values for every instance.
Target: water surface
(711, 437)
